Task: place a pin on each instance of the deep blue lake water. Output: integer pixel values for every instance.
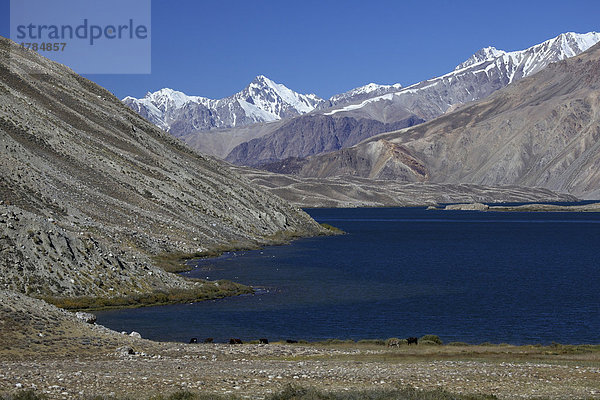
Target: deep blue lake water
(399, 272)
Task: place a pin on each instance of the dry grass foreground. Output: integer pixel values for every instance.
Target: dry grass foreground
(50, 351)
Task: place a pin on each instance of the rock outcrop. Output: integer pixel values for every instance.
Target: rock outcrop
(86, 317)
(40, 258)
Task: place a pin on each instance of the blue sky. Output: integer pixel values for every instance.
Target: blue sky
(215, 48)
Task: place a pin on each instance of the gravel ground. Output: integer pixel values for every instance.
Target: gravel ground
(258, 370)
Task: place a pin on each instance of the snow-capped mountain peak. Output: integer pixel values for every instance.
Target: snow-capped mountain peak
(573, 43)
(368, 89)
(168, 98)
(263, 100)
(276, 97)
(487, 53)
(563, 46)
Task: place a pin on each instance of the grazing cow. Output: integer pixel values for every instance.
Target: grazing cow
(208, 340)
(393, 343)
(194, 340)
(263, 341)
(290, 341)
(235, 341)
(412, 340)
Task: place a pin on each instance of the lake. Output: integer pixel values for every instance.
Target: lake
(501, 277)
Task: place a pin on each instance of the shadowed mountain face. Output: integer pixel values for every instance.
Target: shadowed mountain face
(542, 131)
(314, 134)
(73, 155)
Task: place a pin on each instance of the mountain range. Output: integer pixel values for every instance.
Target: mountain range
(542, 131)
(267, 122)
(482, 74)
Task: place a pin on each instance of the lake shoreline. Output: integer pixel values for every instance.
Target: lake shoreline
(177, 263)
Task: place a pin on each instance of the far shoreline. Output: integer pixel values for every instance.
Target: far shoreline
(442, 205)
(583, 206)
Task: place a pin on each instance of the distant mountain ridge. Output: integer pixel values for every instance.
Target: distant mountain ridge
(486, 71)
(309, 135)
(533, 59)
(360, 93)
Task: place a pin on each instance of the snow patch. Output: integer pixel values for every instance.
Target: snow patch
(255, 113)
(351, 107)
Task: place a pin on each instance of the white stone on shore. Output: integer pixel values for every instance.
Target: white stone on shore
(468, 207)
(86, 317)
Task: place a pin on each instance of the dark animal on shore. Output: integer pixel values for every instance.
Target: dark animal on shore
(291, 341)
(263, 341)
(208, 340)
(412, 340)
(194, 340)
(235, 341)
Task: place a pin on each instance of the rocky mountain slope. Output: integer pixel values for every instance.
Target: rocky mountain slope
(541, 131)
(483, 73)
(40, 258)
(261, 101)
(97, 189)
(313, 134)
